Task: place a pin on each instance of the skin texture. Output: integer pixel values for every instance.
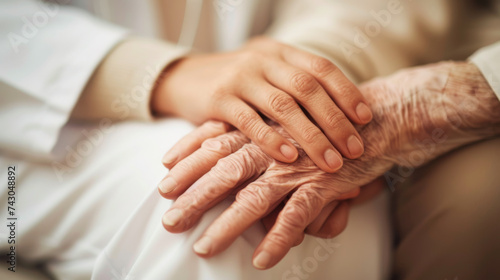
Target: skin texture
(418, 115)
(275, 80)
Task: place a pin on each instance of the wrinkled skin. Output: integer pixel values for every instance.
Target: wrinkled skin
(418, 114)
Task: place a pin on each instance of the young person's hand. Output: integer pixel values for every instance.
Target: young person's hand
(306, 94)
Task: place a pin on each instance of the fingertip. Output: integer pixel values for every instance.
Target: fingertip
(167, 185)
(333, 160)
(262, 260)
(203, 246)
(169, 159)
(364, 113)
(355, 146)
(289, 152)
(337, 222)
(299, 240)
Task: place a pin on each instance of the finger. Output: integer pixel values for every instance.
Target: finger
(243, 117)
(282, 108)
(229, 173)
(312, 96)
(336, 222)
(191, 142)
(370, 191)
(252, 203)
(316, 225)
(351, 194)
(269, 220)
(302, 208)
(190, 169)
(345, 94)
(298, 240)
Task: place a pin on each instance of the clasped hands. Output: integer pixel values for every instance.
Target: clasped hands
(291, 199)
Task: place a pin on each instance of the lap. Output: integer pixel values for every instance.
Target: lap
(97, 209)
(447, 216)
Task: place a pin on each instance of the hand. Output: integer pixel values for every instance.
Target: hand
(302, 182)
(276, 80)
(441, 106)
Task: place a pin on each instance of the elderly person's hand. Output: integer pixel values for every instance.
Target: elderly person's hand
(419, 114)
(275, 80)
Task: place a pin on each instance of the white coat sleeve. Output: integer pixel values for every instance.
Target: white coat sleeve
(47, 55)
(487, 60)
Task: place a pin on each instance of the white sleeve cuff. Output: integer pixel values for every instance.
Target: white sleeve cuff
(487, 60)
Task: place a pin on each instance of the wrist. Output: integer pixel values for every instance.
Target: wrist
(473, 107)
(421, 113)
(162, 97)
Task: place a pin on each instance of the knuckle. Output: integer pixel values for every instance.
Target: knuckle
(281, 239)
(218, 145)
(335, 119)
(262, 134)
(252, 201)
(229, 170)
(298, 214)
(311, 134)
(250, 56)
(281, 104)
(244, 119)
(302, 208)
(296, 217)
(186, 166)
(303, 83)
(322, 66)
(234, 140)
(347, 92)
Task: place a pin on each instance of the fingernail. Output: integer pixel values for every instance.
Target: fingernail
(203, 245)
(287, 151)
(167, 185)
(172, 217)
(354, 146)
(169, 158)
(364, 113)
(262, 260)
(333, 159)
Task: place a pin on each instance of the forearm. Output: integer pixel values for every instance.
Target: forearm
(422, 113)
(477, 108)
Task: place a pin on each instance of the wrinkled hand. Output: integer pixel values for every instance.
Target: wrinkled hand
(439, 107)
(276, 80)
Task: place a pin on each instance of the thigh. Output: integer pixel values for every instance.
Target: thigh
(69, 207)
(95, 210)
(447, 217)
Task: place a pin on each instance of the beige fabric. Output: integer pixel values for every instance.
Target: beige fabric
(121, 86)
(367, 38)
(447, 217)
(364, 38)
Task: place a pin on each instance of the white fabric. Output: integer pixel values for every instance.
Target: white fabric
(47, 55)
(488, 61)
(102, 195)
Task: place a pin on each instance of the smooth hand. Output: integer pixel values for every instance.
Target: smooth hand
(275, 80)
